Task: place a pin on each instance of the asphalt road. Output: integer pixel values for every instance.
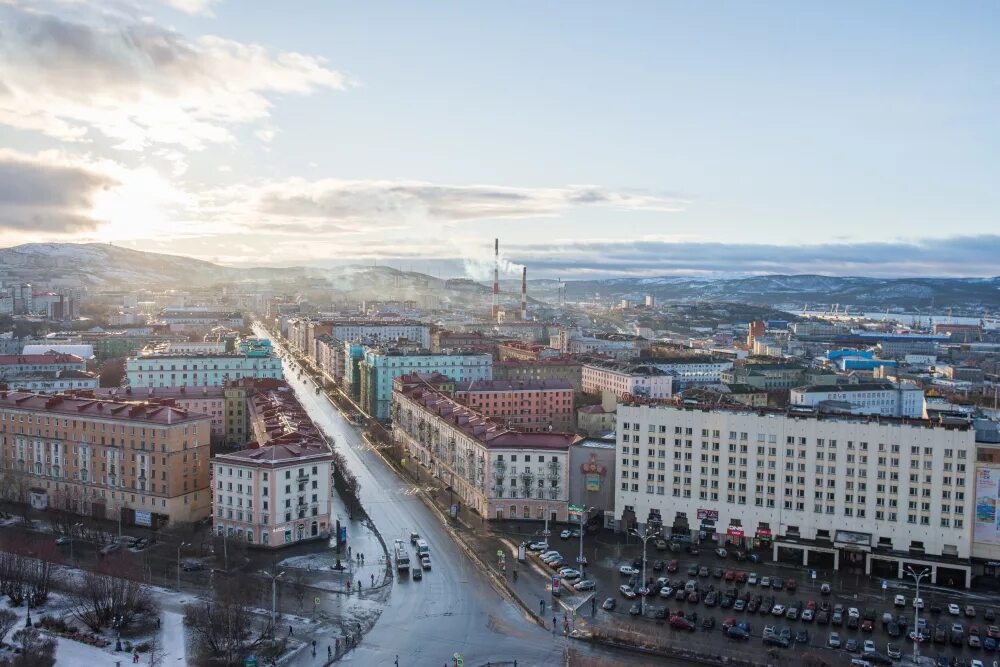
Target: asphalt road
(453, 609)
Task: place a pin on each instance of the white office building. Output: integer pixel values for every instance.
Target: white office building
(867, 398)
(877, 495)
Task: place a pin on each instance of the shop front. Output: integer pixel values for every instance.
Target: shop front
(762, 537)
(735, 535)
(707, 520)
(680, 529)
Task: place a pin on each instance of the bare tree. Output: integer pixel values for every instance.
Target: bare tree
(8, 620)
(37, 650)
(226, 628)
(299, 587)
(102, 599)
(157, 654)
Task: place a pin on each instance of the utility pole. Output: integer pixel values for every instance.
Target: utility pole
(917, 576)
(179, 546)
(274, 595)
(647, 534)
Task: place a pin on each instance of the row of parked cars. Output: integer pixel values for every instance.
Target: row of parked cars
(561, 566)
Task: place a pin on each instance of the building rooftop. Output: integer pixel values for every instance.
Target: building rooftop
(564, 360)
(78, 405)
(483, 429)
(512, 385)
(685, 359)
(630, 367)
(50, 358)
(848, 388)
(145, 393)
(277, 453)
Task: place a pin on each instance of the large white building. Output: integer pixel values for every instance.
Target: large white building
(163, 369)
(880, 494)
(692, 369)
(626, 379)
(867, 398)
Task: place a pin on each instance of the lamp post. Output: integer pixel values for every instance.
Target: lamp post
(274, 595)
(72, 559)
(581, 559)
(648, 533)
(179, 546)
(917, 576)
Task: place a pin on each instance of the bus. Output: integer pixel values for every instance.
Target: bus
(402, 557)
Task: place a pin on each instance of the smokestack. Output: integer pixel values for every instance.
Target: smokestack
(496, 280)
(524, 294)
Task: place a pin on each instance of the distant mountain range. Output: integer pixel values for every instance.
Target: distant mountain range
(105, 266)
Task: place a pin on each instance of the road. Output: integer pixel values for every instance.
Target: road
(454, 609)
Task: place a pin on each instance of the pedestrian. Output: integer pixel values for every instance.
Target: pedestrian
(359, 586)
(135, 657)
(314, 648)
(373, 580)
(515, 574)
(362, 558)
(593, 606)
(553, 625)
(338, 645)
(348, 584)
(157, 621)
(290, 632)
(348, 551)
(329, 651)
(541, 603)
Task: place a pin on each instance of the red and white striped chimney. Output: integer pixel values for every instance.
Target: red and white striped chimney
(524, 294)
(496, 280)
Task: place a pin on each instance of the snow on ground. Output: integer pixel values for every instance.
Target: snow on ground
(172, 638)
(78, 654)
(323, 561)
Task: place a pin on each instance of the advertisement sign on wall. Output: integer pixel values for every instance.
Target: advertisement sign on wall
(986, 528)
(708, 514)
(143, 518)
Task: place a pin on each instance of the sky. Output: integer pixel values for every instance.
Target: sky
(595, 139)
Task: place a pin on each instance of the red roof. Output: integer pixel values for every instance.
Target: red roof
(53, 358)
(65, 404)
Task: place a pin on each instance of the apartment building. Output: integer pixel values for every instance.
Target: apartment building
(529, 406)
(380, 366)
(558, 368)
(866, 398)
(495, 471)
(146, 463)
(626, 379)
(155, 369)
(516, 350)
(51, 381)
(277, 491)
(691, 369)
(876, 494)
(210, 401)
(12, 365)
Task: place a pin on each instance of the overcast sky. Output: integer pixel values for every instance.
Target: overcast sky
(595, 139)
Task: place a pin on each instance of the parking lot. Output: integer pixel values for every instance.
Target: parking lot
(705, 592)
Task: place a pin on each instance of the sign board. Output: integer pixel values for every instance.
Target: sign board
(500, 553)
(812, 574)
(735, 531)
(986, 527)
(143, 518)
(521, 553)
(454, 511)
(250, 661)
(316, 600)
(885, 584)
(708, 514)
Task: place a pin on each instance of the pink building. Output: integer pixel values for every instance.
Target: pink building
(209, 401)
(523, 405)
(626, 379)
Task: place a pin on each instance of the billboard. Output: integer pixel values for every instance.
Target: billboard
(708, 514)
(143, 518)
(986, 528)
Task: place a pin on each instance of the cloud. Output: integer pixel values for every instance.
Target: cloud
(953, 256)
(137, 83)
(49, 193)
(372, 203)
(193, 7)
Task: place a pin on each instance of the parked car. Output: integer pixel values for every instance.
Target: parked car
(970, 611)
(752, 579)
(626, 591)
(110, 548)
(918, 603)
(62, 540)
(833, 641)
(657, 565)
(892, 650)
(703, 571)
(777, 583)
(672, 566)
(808, 615)
(954, 609)
(609, 604)
(765, 582)
(585, 585)
(736, 632)
(851, 646)
(721, 553)
(627, 570)
(869, 646)
(708, 623)
(825, 589)
(778, 610)
(681, 623)
(191, 565)
(802, 637)
(899, 600)
(791, 584)
(692, 570)
(566, 534)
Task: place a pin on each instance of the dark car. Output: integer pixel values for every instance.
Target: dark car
(791, 584)
(708, 623)
(802, 637)
(989, 615)
(736, 632)
(657, 565)
(851, 646)
(892, 629)
(417, 574)
(822, 617)
(660, 612)
(718, 573)
(852, 622)
(776, 640)
(777, 583)
(940, 634)
(681, 623)
(609, 604)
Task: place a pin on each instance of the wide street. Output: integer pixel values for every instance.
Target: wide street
(454, 609)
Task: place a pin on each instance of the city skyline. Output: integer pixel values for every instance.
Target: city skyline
(595, 141)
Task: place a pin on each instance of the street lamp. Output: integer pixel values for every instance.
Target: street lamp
(649, 532)
(581, 559)
(917, 576)
(274, 595)
(179, 546)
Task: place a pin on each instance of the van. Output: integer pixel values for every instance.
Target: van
(423, 549)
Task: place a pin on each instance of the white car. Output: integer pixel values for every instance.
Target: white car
(545, 554)
(765, 582)
(585, 585)
(853, 612)
(752, 579)
(977, 663)
(834, 640)
(541, 547)
(626, 591)
(570, 574)
(954, 610)
(666, 592)
(566, 534)
(778, 610)
(918, 603)
(870, 647)
(627, 570)
(899, 600)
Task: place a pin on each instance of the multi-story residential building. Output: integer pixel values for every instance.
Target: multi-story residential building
(627, 379)
(12, 365)
(618, 346)
(516, 350)
(371, 331)
(558, 368)
(210, 401)
(866, 398)
(878, 494)
(691, 369)
(463, 341)
(775, 375)
(200, 318)
(380, 366)
(497, 472)
(154, 369)
(146, 463)
(530, 406)
(277, 491)
(51, 381)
